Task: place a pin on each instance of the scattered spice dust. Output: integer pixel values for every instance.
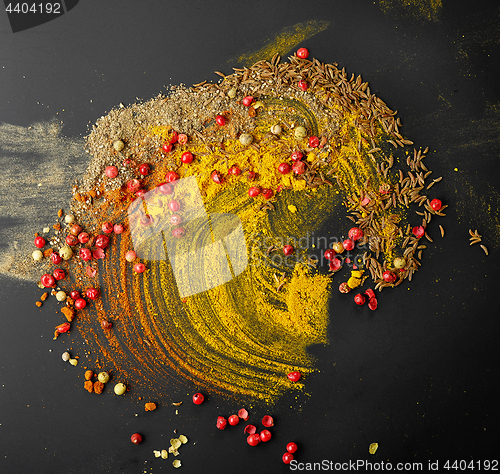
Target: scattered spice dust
(219, 304)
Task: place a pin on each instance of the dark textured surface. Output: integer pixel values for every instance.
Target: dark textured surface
(419, 375)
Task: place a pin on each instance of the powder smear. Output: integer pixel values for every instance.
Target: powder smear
(424, 9)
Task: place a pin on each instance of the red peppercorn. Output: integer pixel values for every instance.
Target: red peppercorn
(175, 219)
(55, 258)
(234, 170)
(174, 205)
(288, 249)
(268, 421)
(48, 280)
(144, 169)
(187, 157)
(303, 85)
(296, 155)
(418, 231)
(165, 188)
(75, 294)
(107, 227)
(265, 436)
(75, 229)
(221, 422)
(253, 439)
(284, 168)
(92, 293)
(372, 304)
(136, 438)
(174, 137)
(221, 121)
(302, 53)
(182, 139)
(294, 376)
(355, 233)
(436, 204)
(139, 267)
(251, 175)
(250, 429)
(299, 167)
(370, 293)
(344, 287)
(59, 274)
(71, 240)
(106, 324)
(62, 328)
(247, 101)
(80, 303)
(217, 177)
(85, 254)
(171, 177)
(335, 264)
(167, 147)
(243, 414)
(388, 276)
(111, 172)
(198, 398)
(118, 228)
(133, 185)
(348, 244)
(83, 237)
(233, 420)
(254, 191)
(267, 193)
(287, 458)
(39, 242)
(313, 141)
(291, 447)
(179, 232)
(359, 299)
(101, 241)
(330, 254)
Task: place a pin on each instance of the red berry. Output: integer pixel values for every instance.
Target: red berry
(83, 237)
(106, 324)
(418, 231)
(133, 185)
(39, 242)
(59, 274)
(221, 121)
(304, 86)
(388, 276)
(344, 287)
(372, 304)
(296, 155)
(130, 256)
(85, 254)
(254, 191)
(62, 328)
(436, 204)
(165, 188)
(233, 420)
(234, 170)
(243, 414)
(111, 171)
(313, 141)
(268, 421)
(118, 228)
(348, 244)
(355, 233)
(171, 177)
(175, 219)
(247, 101)
(55, 258)
(335, 264)
(330, 254)
(294, 376)
(187, 157)
(80, 303)
(253, 439)
(174, 205)
(359, 299)
(265, 436)
(251, 175)
(288, 249)
(75, 229)
(71, 240)
(75, 294)
(299, 167)
(179, 232)
(370, 293)
(284, 168)
(198, 398)
(221, 422)
(144, 169)
(267, 193)
(101, 241)
(107, 227)
(250, 429)
(136, 438)
(92, 293)
(48, 280)
(139, 268)
(287, 458)
(167, 147)
(174, 137)
(302, 53)
(217, 177)
(182, 139)
(291, 447)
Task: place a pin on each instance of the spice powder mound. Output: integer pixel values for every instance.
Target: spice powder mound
(219, 305)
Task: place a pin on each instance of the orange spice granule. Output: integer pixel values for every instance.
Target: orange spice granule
(89, 374)
(48, 252)
(44, 296)
(150, 406)
(59, 213)
(89, 386)
(68, 312)
(98, 387)
(57, 226)
(38, 303)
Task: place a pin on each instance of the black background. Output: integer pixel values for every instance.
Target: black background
(419, 376)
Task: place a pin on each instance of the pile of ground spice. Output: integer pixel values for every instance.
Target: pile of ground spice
(199, 172)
